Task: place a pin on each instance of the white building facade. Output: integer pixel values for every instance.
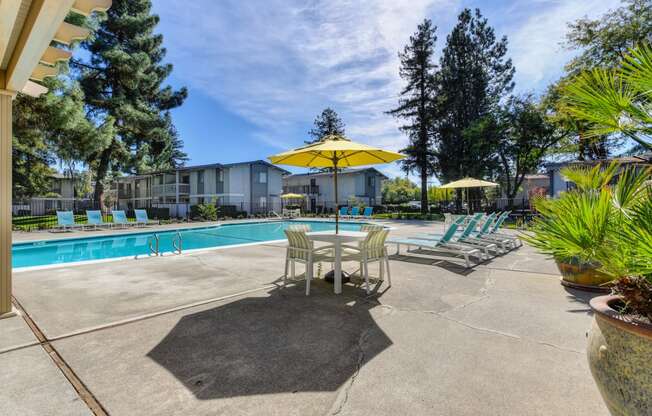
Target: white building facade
(251, 187)
(364, 186)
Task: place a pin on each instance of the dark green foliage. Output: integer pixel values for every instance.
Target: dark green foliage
(415, 104)
(325, 124)
(526, 136)
(399, 191)
(204, 212)
(123, 81)
(474, 76)
(606, 40)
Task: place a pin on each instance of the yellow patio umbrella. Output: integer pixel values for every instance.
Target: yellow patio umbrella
(292, 196)
(469, 183)
(334, 151)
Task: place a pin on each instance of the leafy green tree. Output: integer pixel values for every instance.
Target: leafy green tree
(617, 100)
(415, 104)
(474, 76)
(122, 81)
(436, 193)
(527, 135)
(325, 124)
(606, 40)
(399, 191)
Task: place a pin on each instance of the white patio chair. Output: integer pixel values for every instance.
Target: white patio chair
(370, 250)
(302, 250)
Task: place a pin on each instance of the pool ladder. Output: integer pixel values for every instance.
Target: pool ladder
(155, 241)
(177, 243)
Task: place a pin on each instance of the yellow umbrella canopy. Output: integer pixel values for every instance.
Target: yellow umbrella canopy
(292, 196)
(468, 183)
(334, 151)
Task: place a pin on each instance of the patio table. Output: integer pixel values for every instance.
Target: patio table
(337, 240)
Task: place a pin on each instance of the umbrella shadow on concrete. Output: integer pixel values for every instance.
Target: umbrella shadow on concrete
(281, 342)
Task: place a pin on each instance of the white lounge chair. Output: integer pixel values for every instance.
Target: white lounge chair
(442, 244)
(142, 218)
(120, 219)
(94, 219)
(66, 221)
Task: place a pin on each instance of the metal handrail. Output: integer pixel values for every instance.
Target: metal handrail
(177, 243)
(154, 250)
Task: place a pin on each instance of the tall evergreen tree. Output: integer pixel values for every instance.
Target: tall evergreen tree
(415, 104)
(328, 122)
(474, 76)
(123, 81)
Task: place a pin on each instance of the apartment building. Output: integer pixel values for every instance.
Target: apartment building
(365, 185)
(252, 187)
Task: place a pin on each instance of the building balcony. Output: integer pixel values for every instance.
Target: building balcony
(301, 189)
(170, 189)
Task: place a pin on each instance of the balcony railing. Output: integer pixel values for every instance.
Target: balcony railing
(171, 189)
(301, 189)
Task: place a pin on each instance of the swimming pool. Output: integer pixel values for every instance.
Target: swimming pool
(41, 253)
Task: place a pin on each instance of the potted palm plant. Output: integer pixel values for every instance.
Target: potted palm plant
(573, 228)
(620, 340)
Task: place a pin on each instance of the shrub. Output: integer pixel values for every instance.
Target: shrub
(204, 212)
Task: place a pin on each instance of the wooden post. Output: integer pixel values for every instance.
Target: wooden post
(6, 97)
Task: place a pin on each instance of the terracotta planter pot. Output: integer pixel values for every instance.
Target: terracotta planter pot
(620, 358)
(583, 276)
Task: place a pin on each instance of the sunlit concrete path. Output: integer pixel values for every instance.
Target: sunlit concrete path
(215, 333)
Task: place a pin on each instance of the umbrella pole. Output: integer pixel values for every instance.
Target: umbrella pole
(337, 209)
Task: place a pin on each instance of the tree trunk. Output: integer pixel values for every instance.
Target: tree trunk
(102, 170)
(424, 190)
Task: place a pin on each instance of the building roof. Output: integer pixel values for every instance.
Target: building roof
(537, 176)
(339, 172)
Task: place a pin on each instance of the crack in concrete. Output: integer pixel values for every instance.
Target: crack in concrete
(343, 396)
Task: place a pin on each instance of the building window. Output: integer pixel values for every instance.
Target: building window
(262, 177)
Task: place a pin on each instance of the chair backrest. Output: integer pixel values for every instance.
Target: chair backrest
(452, 229)
(344, 211)
(500, 221)
(355, 211)
(141, 215)
(368, 211)
(94, 217)
(365, 228)
(469, 228)
(119, 217)
(460, 220)
(487, 224)
(65, 218)
(300, 227)
(374, 243)
(298, 240)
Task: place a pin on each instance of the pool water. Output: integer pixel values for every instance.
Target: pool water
(70, 250)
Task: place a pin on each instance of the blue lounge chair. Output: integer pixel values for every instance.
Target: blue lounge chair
(142, 218)
(344, 212)
(120, 218)
(355, 212)
(464, 238)
(443, 244)
(494, 235)
(94, 219)
(66, 221)
(368, 212)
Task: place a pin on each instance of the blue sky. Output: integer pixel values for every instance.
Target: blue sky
(258, 72)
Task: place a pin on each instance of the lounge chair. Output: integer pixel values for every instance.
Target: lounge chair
(94, 219)
(355, 212)
(142, 218)
(464, 237)
(443, 244)
(66, 221)
(302, 250)
(344, 212)
(494, 235)
(368, 212)
(371, 249)
(120, 219)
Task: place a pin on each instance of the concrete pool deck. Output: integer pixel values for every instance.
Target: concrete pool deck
(214, 333)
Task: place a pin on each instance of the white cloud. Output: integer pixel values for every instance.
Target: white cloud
(536, 44)
(279, 63)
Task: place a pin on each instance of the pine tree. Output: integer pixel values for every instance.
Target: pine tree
(327, 123)
(415, 105)
(123, 81)
(474, 76)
